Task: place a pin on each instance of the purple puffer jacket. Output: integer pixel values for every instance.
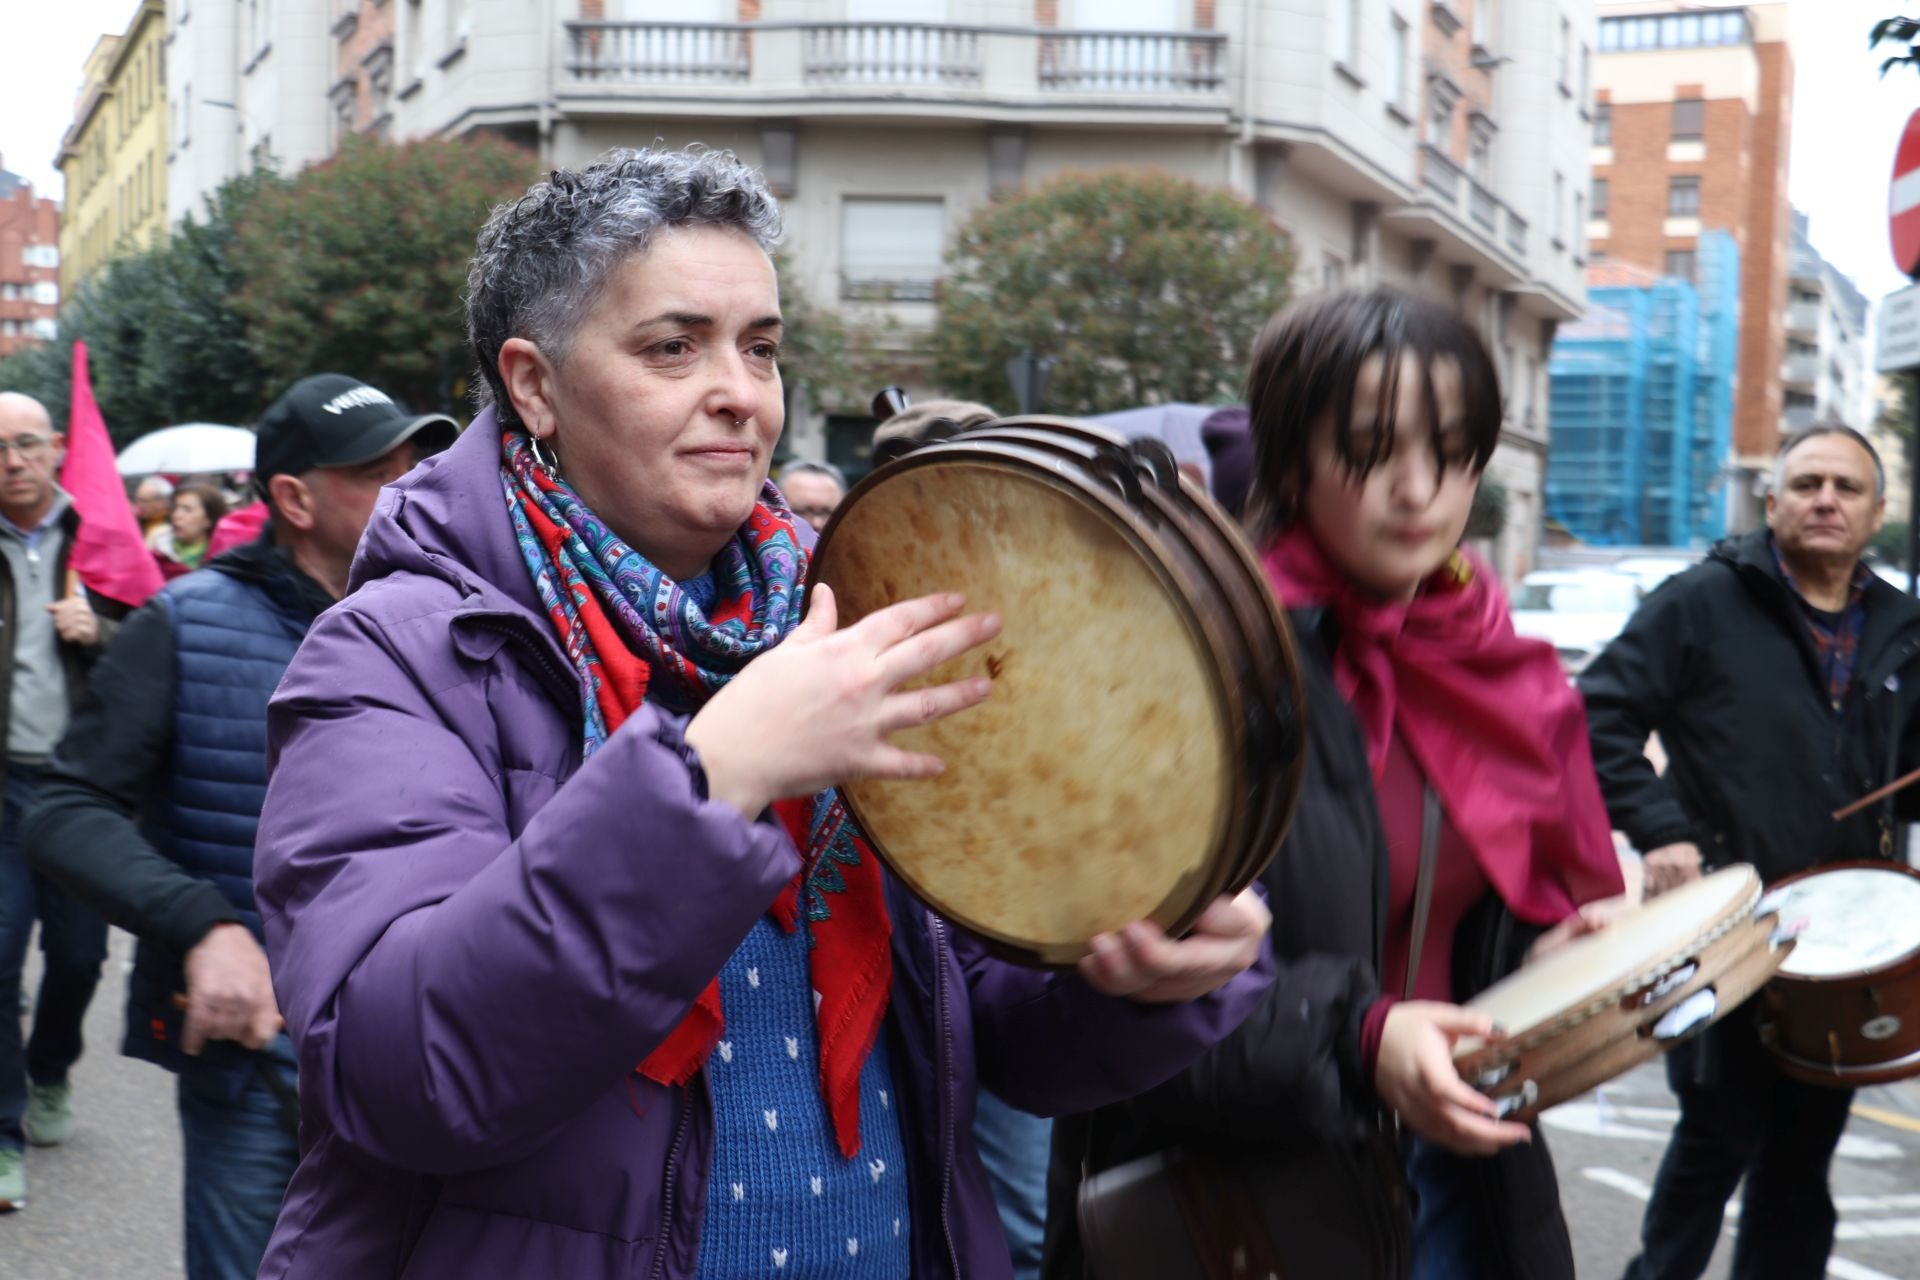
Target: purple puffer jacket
(475, 937)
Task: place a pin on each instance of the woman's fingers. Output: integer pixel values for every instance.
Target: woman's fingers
(919, 653)
(885, 628)
(923, 706)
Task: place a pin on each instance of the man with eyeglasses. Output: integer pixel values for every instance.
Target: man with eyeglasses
(48, 638)
(812, 490)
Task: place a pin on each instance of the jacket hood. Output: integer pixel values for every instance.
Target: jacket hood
(447, 519)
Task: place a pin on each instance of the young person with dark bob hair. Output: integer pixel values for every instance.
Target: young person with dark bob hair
(1450, 827)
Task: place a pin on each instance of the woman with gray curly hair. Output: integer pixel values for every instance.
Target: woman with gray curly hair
(588, 971)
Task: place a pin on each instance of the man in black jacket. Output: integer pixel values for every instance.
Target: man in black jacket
(1781, 675)
(173, 729)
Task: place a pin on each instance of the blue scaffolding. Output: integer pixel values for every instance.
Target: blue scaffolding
(1642, 407)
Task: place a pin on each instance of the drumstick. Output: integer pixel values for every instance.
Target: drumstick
(1898, 784)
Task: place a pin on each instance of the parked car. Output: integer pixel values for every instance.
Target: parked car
(1577, 611)
(1651, 571)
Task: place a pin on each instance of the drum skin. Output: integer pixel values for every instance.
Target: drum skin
(1107, 777)
(1844, 1029)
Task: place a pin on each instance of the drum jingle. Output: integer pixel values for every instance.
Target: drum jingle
(1605, 1003)
(1141, 752)
(1845, 1008)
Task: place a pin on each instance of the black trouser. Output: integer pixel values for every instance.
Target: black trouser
(1747, 1120)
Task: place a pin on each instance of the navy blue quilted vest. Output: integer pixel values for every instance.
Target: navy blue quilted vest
(233, 640)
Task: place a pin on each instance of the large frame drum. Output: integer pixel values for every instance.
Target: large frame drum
(1845, 1008)
(1141, 751)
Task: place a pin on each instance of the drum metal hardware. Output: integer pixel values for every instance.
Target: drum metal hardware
(1668, 985)
(1528, 1095)
(1687, 1018)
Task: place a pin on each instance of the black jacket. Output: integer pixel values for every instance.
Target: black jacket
(1290, 1078)
(117, 762)
(1720, 663)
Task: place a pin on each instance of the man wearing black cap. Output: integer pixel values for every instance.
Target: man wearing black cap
(149, 804)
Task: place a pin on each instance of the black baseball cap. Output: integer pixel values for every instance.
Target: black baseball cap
(331, 420)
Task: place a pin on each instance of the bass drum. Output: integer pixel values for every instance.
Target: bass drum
(1141, 752)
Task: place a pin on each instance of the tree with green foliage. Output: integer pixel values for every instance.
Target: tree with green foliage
(164, 340)
(1143, 287)
(358, 264)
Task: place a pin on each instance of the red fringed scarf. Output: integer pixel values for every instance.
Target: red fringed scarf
(1489, 716)
(839, 888)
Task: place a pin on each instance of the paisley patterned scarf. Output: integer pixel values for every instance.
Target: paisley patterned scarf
(635, 635)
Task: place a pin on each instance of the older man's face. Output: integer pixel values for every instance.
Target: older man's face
(1828, 505)
(151, 502)
(32, 452)
(812, 496)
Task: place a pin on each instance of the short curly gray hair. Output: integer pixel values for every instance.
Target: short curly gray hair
(542, 260)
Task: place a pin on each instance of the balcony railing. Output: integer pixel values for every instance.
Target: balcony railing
(1801, 369)
(658, 52)
(1801, 416)
(1803, 317)
(952, 62)
(1483, 207)
(892, 53)
(1439, 174)
(1133, 62)
(1516, 232)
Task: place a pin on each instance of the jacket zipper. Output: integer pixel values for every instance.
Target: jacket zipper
(682, 1121)
(532, 648)
(945, 1082)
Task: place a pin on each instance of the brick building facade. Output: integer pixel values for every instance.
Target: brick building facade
(1694, 112)
(29, 264)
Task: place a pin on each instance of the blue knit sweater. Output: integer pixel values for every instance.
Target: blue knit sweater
(784, 1202)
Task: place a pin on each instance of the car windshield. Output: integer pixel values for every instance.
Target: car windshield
(1598, 595)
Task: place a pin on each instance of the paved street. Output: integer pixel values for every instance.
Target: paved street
(106, 1205)
(1607, 1147)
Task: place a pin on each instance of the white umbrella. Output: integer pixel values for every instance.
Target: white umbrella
(196, 447)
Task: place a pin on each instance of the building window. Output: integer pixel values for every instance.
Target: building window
(1441, 97)
(1586, 75)
(1566, 53)
(1599, 200)
(1680, 262)
(1559, 207)
(1480, 148)
(1398, 40)
(1346, 33)
(1689, 120)
(1483, 23)
(1603, 124)
(1333, 272)
(890, 249)
(1683, 197)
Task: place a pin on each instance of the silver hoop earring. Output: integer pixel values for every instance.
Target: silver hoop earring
(547, 462)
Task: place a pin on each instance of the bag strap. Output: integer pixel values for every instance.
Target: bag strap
(1423, 883)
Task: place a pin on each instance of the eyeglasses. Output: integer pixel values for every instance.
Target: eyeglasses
(29, 447)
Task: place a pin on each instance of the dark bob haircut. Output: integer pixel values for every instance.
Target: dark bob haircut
(1307, 365)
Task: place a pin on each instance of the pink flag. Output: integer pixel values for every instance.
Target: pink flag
(109, 555)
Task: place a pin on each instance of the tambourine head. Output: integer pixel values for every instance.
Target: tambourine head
(1092, 788)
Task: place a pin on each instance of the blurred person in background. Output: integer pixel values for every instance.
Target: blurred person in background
(198, 505)
(813, 490)
(50, 638)
(147, 810)
(152, 504)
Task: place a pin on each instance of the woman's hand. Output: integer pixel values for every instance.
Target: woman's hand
(1591, 918)
(1142, 963)
(1415, 1076)
(817, 709)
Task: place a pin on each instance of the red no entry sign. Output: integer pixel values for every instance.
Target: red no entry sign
(1903, 204)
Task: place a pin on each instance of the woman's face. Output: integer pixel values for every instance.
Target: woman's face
(666, 411)
(1391, 528)
(189, 518)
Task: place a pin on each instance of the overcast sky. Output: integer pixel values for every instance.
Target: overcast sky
(1845, 123)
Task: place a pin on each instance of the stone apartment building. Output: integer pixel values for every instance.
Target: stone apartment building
(1438, 144)
(114, 155)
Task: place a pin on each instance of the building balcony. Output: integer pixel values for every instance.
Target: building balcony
(1803, 318)
(844, 68)
(1801, 371)
(1799, 417)
(1473, 223)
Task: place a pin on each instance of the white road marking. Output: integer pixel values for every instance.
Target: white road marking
(1844, 1270)
(1607, 1120)
(1878, 1229)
